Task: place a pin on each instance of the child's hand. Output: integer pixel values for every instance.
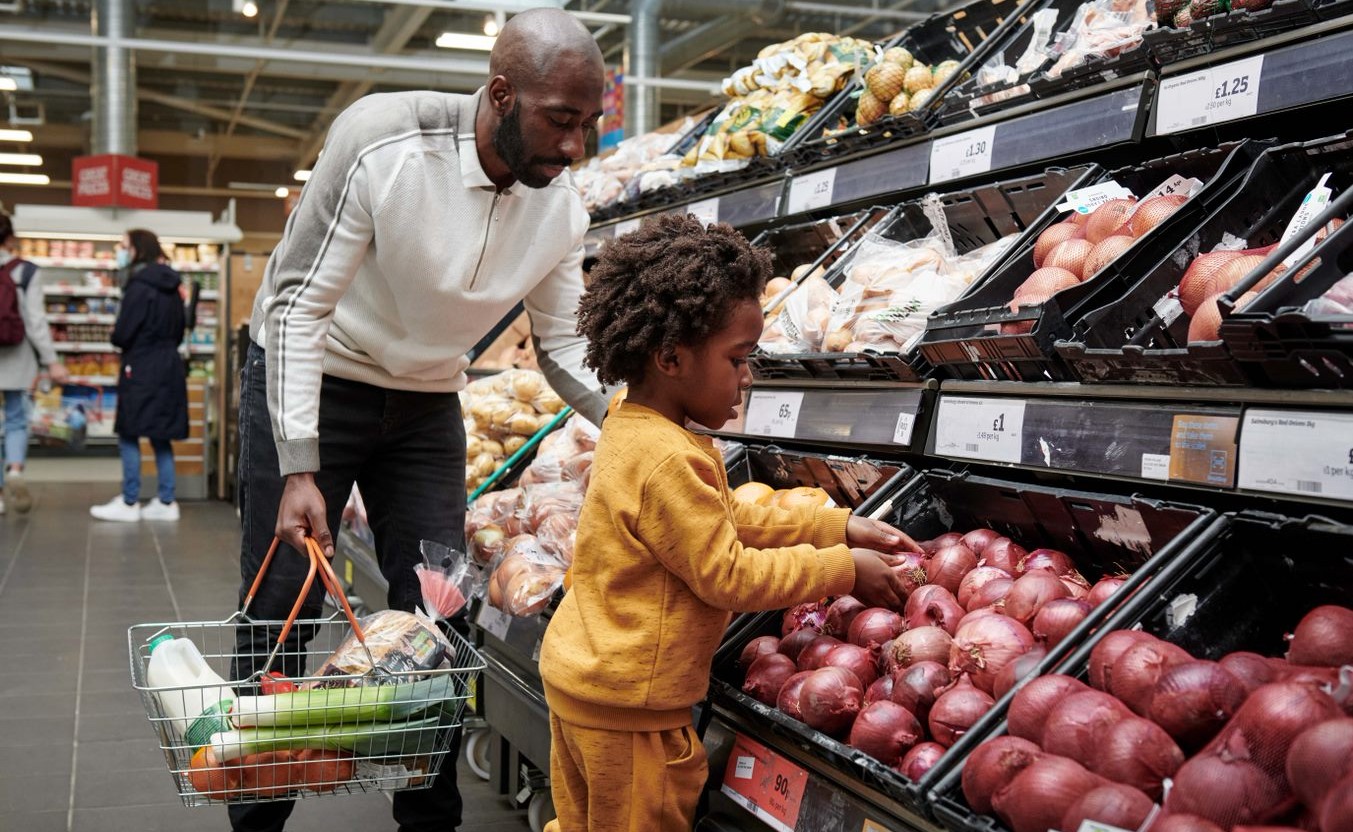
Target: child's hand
(877, 584)
(875, 534)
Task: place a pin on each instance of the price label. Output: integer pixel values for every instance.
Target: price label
(1176, 184)
(902, 432)
(626, 226)
(966, 154)
(1155, 466)
(493, 620)
(1096, 826)
(1085, 200)
(811, 190)
(765, 784)
(771, 413)
(706, 210)
(1296, 452)
(1203, 449)
(980, 428)
(1209, 96)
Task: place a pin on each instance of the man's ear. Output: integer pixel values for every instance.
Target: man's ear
(501, 95)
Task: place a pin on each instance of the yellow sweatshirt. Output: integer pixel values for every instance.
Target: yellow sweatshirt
(663, 554)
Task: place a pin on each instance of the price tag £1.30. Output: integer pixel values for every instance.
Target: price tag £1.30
(1297, 452)
(980, 428)
(961, 155)
(811, 190)
(773, 413)
(765, 784)
(1209, 96)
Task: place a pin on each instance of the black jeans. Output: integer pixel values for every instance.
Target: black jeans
(406, 451)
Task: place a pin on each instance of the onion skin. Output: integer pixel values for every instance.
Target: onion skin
(1137, 671)
(810, 616)
(1337, 813)
(1030, 593)
(976, 579)
(1323, 638)
(1252, 670)
(1015, 672)
(911, 568)
(1058, 618)
(766, 676)
(1004, 554)
(830, 699)
(949, 565)
(1104, 589)
(1033, 703)
(793, 644)
(941, 610)
(1107, 651)
(1193, 700)
(1183, 823)
(1319, 758)
(1075, 588)
(788, 700)
(992, 594)
(880, 690)
(919, 599)
(947, 539)
(756, 648)
(875, 627)
(839, 615)
(1114, 804)
(885, 731)
(957, 710)
(977, 540)
(919, 760)
(854, 658)
(924, 644)
(1040, 795)
(983, 646)
(1075, 723)
(1048, 560)
(1138, 753)
(1272, 719)
(1226, 792)
(814, 655)
(993, 764)
(917, 687)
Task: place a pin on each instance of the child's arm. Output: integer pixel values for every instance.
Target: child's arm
(765, 527)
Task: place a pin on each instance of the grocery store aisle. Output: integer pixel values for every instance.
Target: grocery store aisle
(76, 752)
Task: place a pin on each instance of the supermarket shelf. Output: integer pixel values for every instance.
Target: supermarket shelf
(80, 318)
(207, 323)
(196, 268)
(758, 203)
(891, 416)
(209, 294)
(202, 349)
(84, 346)
(87, 263)
(66, 290)
(94, 381)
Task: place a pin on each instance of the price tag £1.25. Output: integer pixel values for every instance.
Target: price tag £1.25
(765, 784)
(773, 413)
(961, 155)
(980, 428)
(1209, 96)
(1297, 452)
(811, 190)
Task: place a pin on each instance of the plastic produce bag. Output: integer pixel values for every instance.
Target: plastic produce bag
(399, 642)
(546, 499)
(801, 325)
(526, 578)
(557, 534)
(1103, 27)
(446, 577)
(1337, 301)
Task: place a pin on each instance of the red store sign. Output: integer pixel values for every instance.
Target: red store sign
(114, 180)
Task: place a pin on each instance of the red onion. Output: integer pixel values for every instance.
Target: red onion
(993, 764)
(1319, 758)
(1138, 753)
(1193, 700)
(924, 644)
(1030, 593)
(1250, 669)
(919, 760)
(940, 611)
(916, 688)
(874, 627)
(1248, 828)
(1273, 717)
(1224, 791)
(1032, 703)
(1073, 724)
(984, 645)
(1107, 651)
(1337, 813)
(810, 616)
(856, 659)
(1019, 670)
(839, 615)
(766, 676)
(948, 566)
(814, 655)
(1048, 560)
(1040, 795)
(881, 689)
(976, 579)
(1137, 671)
(788, 700)
(1003, 554)
(885, 731)
(991, 595)
(1113, 804)
(793, 644)
(957, 710)
(756, 648)
(1324, 638)
(947, 539)
(978, 539)
(923, 595)
(1075, 589)
(1104, 589)
(1058, 618)
(1183, 823)
(830, 699)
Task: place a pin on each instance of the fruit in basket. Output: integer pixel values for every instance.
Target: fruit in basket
(920, 98)
(1167, 9)
(1108, 218)
(918, 78)
(885, 80)
(767, 675)
(1206, 322)
(1071, 256)
(1105, 252)
(1199, 9)
(1053, 236)
(1152, 212)
(801, 497)
(957, 710)
(869, 109)
(1323, 638)
(900, 56)
(753, 493)
(1112, 804)
(1199, 281)
(944, 70)
(900, 105)
(1038, 798)
(830, 699)
(1043, 284)
(885, 731)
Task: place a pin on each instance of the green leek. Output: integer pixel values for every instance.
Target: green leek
(401, 739)
(336, 706)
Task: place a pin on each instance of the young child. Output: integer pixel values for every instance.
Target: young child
(663, 553)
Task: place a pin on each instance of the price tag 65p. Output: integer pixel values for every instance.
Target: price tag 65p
(980, 428)
(1209, 96)
(811, 190)
(965, 154)
(773, 413)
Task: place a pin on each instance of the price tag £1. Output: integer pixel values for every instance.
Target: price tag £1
(706, 210)
(1297, 452)
(961, 155)
(811, 190)
(980, 428)
(765, 784)
(1209, 96)
(773, 413)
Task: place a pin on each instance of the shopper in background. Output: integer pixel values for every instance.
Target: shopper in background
(152, 386)
(426, 220)
(25, 347)
(663, 552)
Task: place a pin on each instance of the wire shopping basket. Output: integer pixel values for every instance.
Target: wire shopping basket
(264, 737)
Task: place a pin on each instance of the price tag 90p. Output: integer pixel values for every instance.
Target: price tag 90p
(979, 428)
(965, 154)
(811, 190)
(765, 784)
(1297, 452)
(1209, 96)
(773, 413)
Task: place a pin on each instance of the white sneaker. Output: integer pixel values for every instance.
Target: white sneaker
(2, 505)
(117, 511)
(156, 510)
(16, 491)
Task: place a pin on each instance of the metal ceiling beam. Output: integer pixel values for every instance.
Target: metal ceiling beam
(248, 86)
(173, 143)
(690, 48)
(508, 6)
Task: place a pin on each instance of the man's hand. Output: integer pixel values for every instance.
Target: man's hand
(58, 372)
(876, 583)
(301, 515)
(875, 534)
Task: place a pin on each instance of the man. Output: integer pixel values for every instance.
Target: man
(428, 217)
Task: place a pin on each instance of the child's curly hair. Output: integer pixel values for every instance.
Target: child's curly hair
(671, 282)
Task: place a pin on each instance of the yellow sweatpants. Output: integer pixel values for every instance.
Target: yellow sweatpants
(625, 781)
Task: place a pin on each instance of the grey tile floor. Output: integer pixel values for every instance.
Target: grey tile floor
(76, 752)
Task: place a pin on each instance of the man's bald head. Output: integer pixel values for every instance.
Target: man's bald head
(535, 44)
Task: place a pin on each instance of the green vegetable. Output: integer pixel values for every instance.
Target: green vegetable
(334, 706)
(400, 739)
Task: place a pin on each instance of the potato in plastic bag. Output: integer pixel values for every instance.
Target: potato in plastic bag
(526, 578)
(801, 325)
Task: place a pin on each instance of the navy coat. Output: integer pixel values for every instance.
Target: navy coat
(152, 389)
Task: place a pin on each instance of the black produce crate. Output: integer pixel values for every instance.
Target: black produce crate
(818, 243)
(852, 482)
(1105, 534)
(963, 338)
(1278, 344)
(1170, 45)
(977, 216)
(1123, 340)
(1247, 581)
(683, 143)
(967, 34)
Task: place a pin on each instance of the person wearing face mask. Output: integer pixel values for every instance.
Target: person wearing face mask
(26, 351)
(152, 387)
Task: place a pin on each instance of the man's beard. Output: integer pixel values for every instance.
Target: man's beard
(511, 148)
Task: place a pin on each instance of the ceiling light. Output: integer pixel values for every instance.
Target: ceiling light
(282, 193)
(8, 84)
(301, 176)
(25, 178)
(458, 40)
(16, 135)
(491, 26)
(26, 159)
(249, 10)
